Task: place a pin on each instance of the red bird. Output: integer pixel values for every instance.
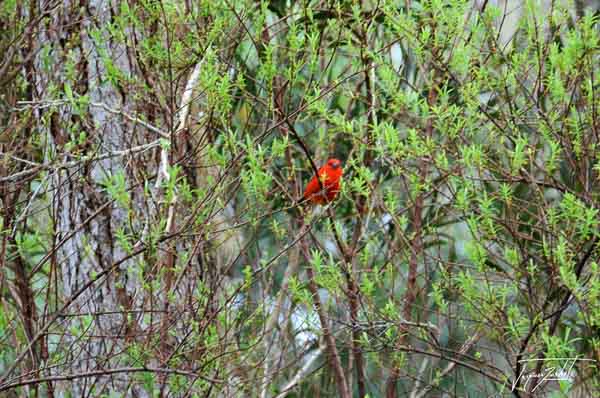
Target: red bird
(329, 175)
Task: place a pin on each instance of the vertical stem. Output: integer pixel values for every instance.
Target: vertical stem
(356, 349)
(334, 357)
(416, 244)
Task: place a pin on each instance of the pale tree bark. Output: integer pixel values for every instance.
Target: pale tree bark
(140, 302)
(96, 336)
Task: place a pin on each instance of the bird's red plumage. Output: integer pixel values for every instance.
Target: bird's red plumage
(330, 175)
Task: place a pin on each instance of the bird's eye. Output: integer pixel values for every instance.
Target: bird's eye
(334, 164)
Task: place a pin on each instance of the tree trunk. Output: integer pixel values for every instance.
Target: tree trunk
(96, 333)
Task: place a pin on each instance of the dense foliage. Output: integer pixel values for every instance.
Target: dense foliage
(154, 154)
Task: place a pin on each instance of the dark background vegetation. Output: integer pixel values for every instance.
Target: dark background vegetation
(153, 154)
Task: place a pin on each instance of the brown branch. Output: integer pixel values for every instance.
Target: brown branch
(416, 243)
(334, 357)
(106, 372)
(557, 315)
(58, 314)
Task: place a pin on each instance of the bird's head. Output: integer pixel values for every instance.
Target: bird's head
(334, 163)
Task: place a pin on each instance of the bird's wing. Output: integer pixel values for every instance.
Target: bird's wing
(312, 188)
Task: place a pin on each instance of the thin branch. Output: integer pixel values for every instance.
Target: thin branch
(334, 357)
(465, 347)
(303, 372)
(106, 372)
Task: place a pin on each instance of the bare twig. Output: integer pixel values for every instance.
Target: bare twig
(303, 372)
